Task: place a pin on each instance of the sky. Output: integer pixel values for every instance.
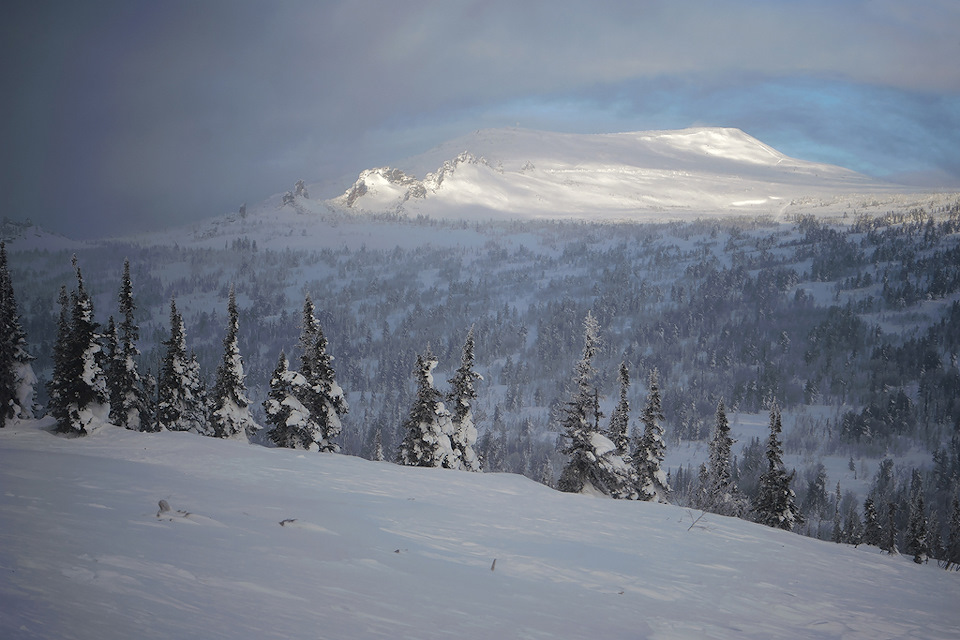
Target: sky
(132, 115)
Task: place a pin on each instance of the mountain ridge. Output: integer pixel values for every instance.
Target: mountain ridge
(509, 173)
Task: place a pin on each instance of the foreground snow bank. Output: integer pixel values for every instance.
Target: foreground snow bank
(268, 543)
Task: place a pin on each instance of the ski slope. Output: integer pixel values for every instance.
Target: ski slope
(268, 543)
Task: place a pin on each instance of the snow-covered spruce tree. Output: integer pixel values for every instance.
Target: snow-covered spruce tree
(837, 535)
(321, 396)
(952, 552)
(110, 370)
(57, 405)
(916, 542)
(181, 396)
(852, 526)
(889, 540)
(285, 413)
(462, 393)
(17, 378)
(378, 446)
(872, 530)
(619, 429)
(650, 448)
(230, 410)
(594, 465)
(128, 402)
(721, 494)
(427, 430)
(775, 505)
(78, 390)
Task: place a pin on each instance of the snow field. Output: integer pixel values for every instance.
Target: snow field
(380, 551)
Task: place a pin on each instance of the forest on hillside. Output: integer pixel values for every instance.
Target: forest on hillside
(859, 318)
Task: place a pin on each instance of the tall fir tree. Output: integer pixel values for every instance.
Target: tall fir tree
(889, 540)
(427, 430)
(181, 395)
(619, 428)
(111, 348)
(462, 393)
(917, 543)
(721, 494)
(128, 401)
(775, 505)
(56, 386)
(872, 529)
(593, 464)
(17, 378)
(837, 535)
(284, 411)
(852, 526)
(650, 448)
(321, 396)
(78, 389)
(952, 551)
(378, 455)
(230, 410)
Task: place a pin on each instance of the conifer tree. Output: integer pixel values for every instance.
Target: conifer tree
(78, 389)
(872, 529)
(378, 446)
(837, 535)
(128, 403)
(721, 494)
(181, 395)
(111, 370)
(952, 552)
(816, 501)
(594, 464)
(650, 448)
(890, 533)
(17, 378)
(230, 411)
(285, 413)
(462, 393)
(56, 386)
(427, 430)
(149, 416)
(321, 396)
(852, 527)
(917, 543)
(619, 428)
(775, 505)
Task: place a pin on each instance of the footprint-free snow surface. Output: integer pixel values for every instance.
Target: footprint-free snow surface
(265, 543)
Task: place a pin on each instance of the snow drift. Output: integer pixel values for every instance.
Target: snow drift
(271, 543)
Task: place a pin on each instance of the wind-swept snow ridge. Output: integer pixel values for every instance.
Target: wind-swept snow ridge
(253, 542)
(517, 173)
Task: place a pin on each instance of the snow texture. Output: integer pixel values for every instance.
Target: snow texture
(272, 543)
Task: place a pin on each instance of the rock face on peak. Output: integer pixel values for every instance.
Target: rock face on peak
(518, 173)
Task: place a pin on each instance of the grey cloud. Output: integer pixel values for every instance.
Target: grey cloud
(128, 112)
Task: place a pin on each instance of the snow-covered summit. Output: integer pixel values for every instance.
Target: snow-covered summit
(519, 173)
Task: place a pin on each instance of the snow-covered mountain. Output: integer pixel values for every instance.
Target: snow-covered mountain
(274, 543)
(517, 173)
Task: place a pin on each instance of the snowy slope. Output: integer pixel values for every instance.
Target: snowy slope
(511, 173)
(372, 550)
